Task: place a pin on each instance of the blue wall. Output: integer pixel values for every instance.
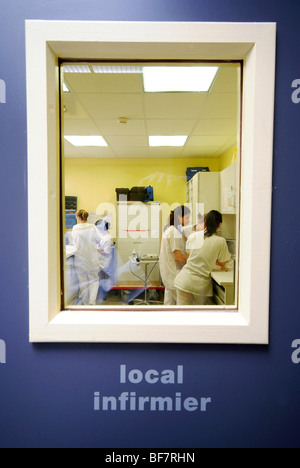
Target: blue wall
(46, 391)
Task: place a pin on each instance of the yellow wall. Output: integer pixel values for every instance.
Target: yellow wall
(228, 158)
(94, 181)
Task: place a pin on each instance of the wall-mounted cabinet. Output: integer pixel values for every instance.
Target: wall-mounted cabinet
(204, 188)
(216, 190)
(228, 190)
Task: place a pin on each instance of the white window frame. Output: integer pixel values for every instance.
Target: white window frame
(46, 43)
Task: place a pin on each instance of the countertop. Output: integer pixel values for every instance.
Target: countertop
(223, 278)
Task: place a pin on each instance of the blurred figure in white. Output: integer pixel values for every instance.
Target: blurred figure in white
(106, 256)
(87, 262)
(188, 230)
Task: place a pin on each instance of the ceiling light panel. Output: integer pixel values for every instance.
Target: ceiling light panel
(173, 140)
(86, 140)
(178, 79)
(117, 69)
(77, 69)
(65, 88)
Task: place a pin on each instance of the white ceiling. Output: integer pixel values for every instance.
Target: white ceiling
(96, 102)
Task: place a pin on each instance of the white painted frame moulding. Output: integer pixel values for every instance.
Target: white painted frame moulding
(255, 44)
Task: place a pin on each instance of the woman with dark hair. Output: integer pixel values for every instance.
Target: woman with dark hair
(205, 250)
(172, 254)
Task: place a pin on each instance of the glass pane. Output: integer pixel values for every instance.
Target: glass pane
(150, 164)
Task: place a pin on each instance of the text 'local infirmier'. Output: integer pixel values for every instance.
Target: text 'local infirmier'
(130, 400)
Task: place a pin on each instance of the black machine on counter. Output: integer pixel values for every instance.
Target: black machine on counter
(142, 194)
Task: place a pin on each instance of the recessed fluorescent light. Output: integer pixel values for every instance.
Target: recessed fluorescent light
(77, 69)
(117, 69)
(174, 140)
(86, 140)
(65, 88)
(178, 79)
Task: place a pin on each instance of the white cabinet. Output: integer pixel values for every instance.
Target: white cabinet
(216, 190)
(71, 281)
(138, 230)
(223, 284)
(203, 188)
(228, 190)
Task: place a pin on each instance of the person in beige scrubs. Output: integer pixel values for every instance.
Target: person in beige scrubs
(205, 249)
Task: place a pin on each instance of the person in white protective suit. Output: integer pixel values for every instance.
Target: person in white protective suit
(106, 251)
(105, 244)
(87, 262)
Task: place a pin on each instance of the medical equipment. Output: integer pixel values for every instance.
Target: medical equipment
(150, 257)
(70, 212)
(141, 194)
(191, 171)
(146, 263)
(70, 220)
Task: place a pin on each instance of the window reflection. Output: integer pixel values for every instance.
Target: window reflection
(150, 222)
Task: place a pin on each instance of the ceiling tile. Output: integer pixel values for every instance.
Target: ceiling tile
(226, 80)
(215, 127)
(170, 126)
(229, 144)
(96, 152)
(165, 152)
(104, 83)
(200, 152)
(113, 127)
(112, 106)
(174, 105)
(80, 127)
(74, 109)
(131, 152)
(220, 106)
(70, 151)
(206, 141)
(125, 140)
